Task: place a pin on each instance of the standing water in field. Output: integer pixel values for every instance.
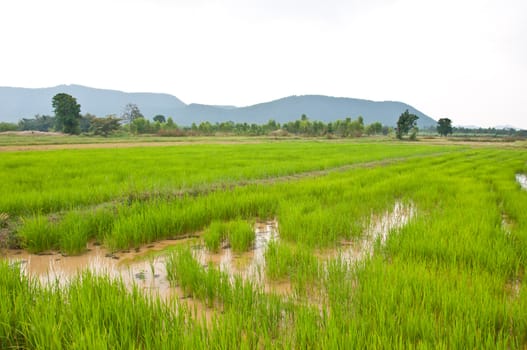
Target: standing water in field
(250, 265)
(522, 180)
(144, 267)
(378, 229)
(149, 274)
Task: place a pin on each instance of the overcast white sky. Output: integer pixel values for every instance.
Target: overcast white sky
(462, 59)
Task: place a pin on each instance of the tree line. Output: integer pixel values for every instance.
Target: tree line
(68, 119)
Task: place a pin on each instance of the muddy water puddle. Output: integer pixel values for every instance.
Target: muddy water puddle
(132, 267)
(380, 226)
(249, 265)
(146, 267)
(522, 180)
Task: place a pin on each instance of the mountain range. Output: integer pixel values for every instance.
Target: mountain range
(18, 103)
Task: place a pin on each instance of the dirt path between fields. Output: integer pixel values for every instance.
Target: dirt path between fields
(48, 147)
(214, 187)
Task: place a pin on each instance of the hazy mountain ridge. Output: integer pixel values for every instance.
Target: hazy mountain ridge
(17, 103)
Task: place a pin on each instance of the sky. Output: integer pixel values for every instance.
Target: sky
(460, 59)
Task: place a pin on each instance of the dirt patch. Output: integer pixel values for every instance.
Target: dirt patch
(49, 147)
(476, 142)
(32, 133)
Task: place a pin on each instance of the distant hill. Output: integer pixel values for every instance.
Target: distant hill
(316, 107)
(17, 103)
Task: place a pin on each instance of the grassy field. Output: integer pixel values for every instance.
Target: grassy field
(450, 275)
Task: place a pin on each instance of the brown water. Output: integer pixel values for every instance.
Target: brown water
(249, 265)
(149, 274)
(522, 180)
(379, 228)
(146, 267)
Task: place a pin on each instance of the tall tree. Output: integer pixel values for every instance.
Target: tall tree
(104, 126)
(67, 113)
(444, 126)
(406, 122)
(160, 118)
(131, 112)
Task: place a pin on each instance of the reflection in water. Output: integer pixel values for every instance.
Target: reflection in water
(522, 180)
(148, 273)
(379, 229)
(249, 265)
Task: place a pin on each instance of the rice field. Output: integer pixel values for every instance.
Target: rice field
(290, 244)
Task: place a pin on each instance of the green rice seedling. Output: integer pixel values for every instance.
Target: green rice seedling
(73, 234)
(241, 235)
(183, 269)
(49, 181)
(296, 264)
(99, 222)
(214, 235)
(90, 312)
(16, 293)
(451, 277)
(37, 234)
(279, 258)
(186, 272)
(339, 282)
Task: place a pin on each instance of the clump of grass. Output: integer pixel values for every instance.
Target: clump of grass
(92, 312)
(294, 263)
(185, 271)
(214, 235)
(73, 233)
(38, 235)
(241, 235)
(69, 234)
(100, 221)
